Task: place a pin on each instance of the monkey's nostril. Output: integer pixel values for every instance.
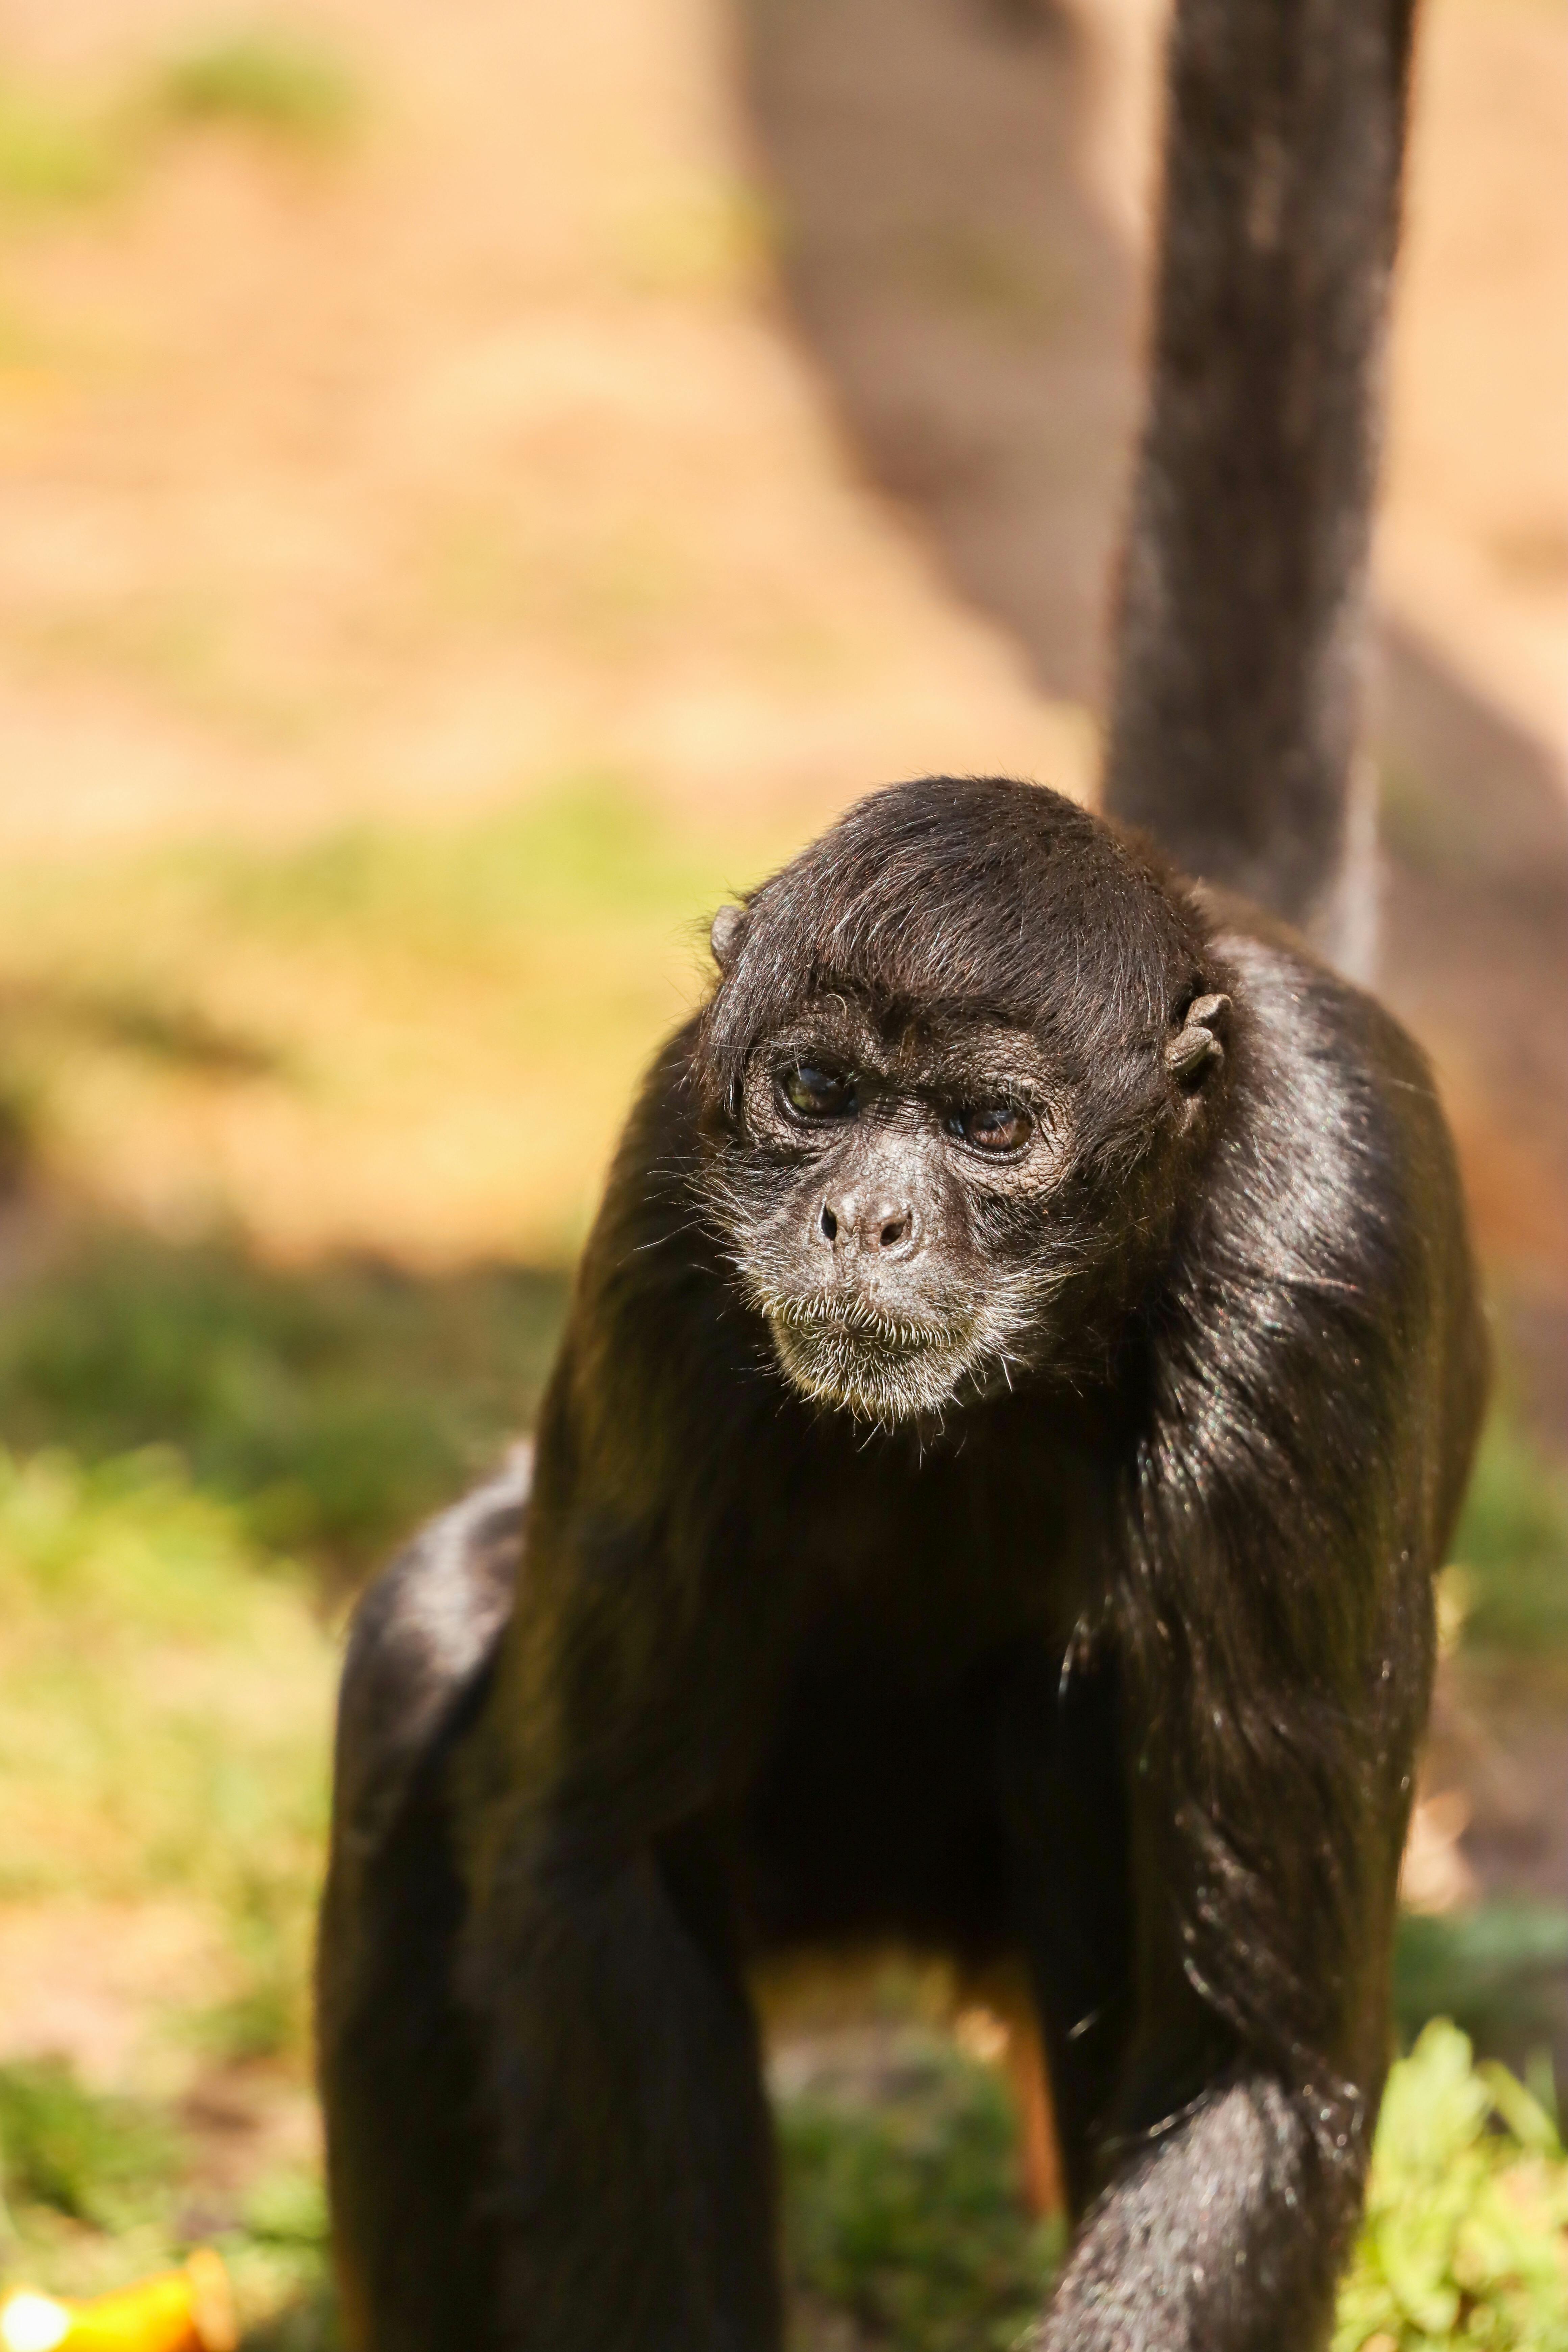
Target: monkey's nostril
(829, 1223)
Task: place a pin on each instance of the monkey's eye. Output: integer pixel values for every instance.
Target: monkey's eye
(1000, 1128)
(811, 1092)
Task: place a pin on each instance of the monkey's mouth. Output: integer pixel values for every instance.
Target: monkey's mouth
(876, 1366)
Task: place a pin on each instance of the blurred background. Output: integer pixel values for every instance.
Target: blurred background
(476, 486)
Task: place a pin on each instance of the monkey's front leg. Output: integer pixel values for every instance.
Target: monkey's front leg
(632, 2189)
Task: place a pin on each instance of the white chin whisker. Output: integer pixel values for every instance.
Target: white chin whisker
(875, 1372)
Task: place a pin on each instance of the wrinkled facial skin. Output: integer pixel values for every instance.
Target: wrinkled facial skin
(904, 1206)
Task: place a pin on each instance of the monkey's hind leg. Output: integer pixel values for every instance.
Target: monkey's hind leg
(406, 2156)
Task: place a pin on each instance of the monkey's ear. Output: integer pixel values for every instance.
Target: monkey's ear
(722, 937)
(1196, 1044)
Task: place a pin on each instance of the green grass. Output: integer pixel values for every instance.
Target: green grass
(263, 76)
(332, 1407)
(420, 1039)
(54, 155)
(902, 2212)
(477, 997)
(1512, 1543)
(109, 2162)
(166, 1691)
(593, 852)
(94, 2189)
(1497, 1970)
(164, 1688)
(64, 147)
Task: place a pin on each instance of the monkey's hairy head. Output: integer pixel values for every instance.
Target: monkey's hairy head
(961, 1054)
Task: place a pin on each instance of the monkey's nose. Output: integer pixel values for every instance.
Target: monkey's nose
(870, 1226)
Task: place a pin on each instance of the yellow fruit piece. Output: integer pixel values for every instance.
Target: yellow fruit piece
(189, 2310)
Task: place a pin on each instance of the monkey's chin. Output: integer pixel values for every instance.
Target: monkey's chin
(888, 1380)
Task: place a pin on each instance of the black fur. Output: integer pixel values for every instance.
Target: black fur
(1016, 1392)
(1240, 638)
(1025, 1553)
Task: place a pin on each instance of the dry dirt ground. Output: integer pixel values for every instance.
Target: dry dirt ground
(471, 457)
(967, 188)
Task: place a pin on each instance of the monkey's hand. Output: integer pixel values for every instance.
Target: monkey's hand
(1211, 2239)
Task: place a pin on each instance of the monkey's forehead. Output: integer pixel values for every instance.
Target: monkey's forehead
(981, 893)
(910, 1041)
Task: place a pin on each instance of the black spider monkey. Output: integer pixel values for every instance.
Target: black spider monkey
(1017, 1389)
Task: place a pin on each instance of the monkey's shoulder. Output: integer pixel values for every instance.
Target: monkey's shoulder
(652, 1256)
(422, 1637)
(1335, 1164)
(1321, 1054)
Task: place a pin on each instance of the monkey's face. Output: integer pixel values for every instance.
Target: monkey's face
(953, 1086)
(904, 1203)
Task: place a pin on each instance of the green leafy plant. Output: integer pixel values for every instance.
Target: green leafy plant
(1465, 2242)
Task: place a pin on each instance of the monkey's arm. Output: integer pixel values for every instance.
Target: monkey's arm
(1266, 1817)
(620, 2072)
(1317, 1385)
